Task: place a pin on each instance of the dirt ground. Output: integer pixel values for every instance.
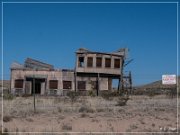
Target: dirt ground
(90, 115)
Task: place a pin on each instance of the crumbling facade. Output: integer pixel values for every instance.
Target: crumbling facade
(94, 71)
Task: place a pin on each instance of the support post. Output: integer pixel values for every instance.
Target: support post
(121, 79)
(98, 85)
(119, 83)
(34, 93)
(75, 75)
(130, 82)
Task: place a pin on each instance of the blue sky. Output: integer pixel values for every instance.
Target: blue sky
(53, 32)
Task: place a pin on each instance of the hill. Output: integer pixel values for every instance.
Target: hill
(158, 85)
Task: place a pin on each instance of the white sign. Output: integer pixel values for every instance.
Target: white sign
(168, 79)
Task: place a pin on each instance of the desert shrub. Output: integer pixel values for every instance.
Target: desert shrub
(59, 109)
(66, 127)
(151, 94)
(7, 118)
(83, 115)
(29, 120)
(138, 92)
(73, 96)
(133, 126)
(26, 95)
(85, 109)
(109, 95)
(8, 96)
(91, 93)
(122, 101)
(100, 110)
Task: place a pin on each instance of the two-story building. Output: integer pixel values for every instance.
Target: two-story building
(93, 71)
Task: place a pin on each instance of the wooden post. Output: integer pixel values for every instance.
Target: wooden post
(121, 79)
(98, 84)
(75, 75)
(119, 84)
(34, 93)
(130, 82)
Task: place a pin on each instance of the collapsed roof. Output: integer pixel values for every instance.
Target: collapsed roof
(32, 64)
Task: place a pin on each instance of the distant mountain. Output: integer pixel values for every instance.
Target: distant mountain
(158, 85)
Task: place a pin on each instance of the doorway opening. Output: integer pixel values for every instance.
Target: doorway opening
(38, 85)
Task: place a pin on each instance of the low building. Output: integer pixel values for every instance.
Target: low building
(93, 71)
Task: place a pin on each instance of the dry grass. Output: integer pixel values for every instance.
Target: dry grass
(93, 114)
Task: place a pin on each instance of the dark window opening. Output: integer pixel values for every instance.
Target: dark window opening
(116, 63)
(67, 85)
(98, 62)
(53, 84)
(108, 62)
(81, 62)
(90, 62)
(19, 83)
(81, 85)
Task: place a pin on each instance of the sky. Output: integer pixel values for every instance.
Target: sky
(53, 32)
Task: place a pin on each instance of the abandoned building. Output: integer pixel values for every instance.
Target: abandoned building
(94, 71)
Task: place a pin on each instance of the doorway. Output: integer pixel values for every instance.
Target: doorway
(37, 85)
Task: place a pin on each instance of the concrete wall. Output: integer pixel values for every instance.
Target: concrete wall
(103, 82)
(53, 75)
(47, 75)
(103, 69)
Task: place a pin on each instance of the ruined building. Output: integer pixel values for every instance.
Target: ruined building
(94, 71)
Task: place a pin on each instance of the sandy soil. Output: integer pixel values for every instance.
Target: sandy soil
(90, 114)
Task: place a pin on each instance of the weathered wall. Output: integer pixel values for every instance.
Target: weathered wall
(48, 75)
(103, 82)
(94, 69)
(54, 75)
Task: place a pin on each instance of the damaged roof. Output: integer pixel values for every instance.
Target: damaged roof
(119, 52)
(35, 64)
(32, 64)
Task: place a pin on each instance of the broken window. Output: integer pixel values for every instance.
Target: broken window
(81, 62)
(53, 84)
(90, 62)
(98, 62)
(19, 83)
(67, 85)
(81, 85)
(108, 62)
(116, 63)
